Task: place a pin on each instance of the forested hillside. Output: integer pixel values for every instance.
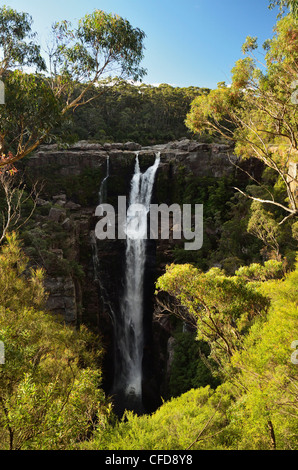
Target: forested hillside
(129, 112)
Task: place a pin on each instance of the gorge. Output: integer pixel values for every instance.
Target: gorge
(118, 277)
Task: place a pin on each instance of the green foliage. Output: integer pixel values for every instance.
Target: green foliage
(17, 41)
(264, 227)
(265, 415)
(176, 425)
(285, 4)
(31, 111)
(295, 230)
(257, 112)
(127, 112)
(39, 244)
(255, 408)
(237, 231)
(272, 269)
(252, 232)
(221, 214)
(50, 382)
(224, 307)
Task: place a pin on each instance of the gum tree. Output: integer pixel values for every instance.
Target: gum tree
(223, 308)
(285, 4)
(100, 45)
(18, 47)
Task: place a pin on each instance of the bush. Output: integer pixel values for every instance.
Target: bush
(50, 383)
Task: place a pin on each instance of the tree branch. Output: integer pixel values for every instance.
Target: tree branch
(293, 212)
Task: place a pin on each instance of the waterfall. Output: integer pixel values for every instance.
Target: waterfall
(102, 195)
(129, 336)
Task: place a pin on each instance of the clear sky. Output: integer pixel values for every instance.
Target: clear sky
(188, 42)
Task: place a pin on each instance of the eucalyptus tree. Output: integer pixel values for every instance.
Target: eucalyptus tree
(259, 111)
(99, 45)
(285, 4)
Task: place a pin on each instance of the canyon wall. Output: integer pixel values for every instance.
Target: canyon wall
(85, 276)
(71, 180)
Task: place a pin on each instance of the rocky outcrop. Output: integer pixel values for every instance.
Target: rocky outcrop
(198, 158)
(62, 298)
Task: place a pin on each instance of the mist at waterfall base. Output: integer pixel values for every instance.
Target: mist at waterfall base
(128, 322)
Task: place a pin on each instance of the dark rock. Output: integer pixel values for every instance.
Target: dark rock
(72, 206)
(60, 197)
(67, 224)
(41, 202)
(62, 298)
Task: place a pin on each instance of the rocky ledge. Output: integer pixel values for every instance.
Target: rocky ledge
(198, 158)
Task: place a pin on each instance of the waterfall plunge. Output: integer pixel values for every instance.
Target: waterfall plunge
(129, 336)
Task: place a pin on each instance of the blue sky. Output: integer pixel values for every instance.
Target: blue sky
(188, 42)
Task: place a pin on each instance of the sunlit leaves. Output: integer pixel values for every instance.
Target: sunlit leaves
(265, 417)
(50, 393)
(224, 307)
(250, 44)
(255, 408)
(102, 43)
(257, 112)
(17, 45)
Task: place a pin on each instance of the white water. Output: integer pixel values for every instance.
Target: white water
(129, 336)
(102, 195)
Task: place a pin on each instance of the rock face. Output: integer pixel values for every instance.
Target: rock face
(72, 179)
(62, 298)
(198, 158)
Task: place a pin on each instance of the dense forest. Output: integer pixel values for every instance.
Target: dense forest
(127, 112)
(233, 382)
